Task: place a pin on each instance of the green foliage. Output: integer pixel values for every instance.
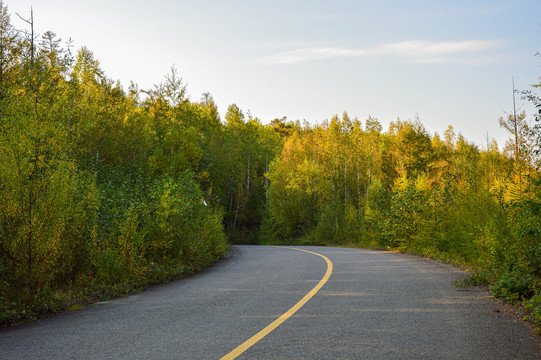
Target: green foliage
(514, 285)
(103, 192)
(182, 227)
(533, 308)
(336, 183)
(336, 225)
(100, 193)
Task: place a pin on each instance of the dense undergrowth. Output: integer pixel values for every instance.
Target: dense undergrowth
(105, 191)
(406, 190)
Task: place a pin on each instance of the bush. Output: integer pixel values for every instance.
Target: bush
(533, 307)
(514, 285)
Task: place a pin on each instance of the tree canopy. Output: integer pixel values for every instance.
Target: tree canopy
(103, 190)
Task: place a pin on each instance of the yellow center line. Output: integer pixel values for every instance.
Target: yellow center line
(260, 335)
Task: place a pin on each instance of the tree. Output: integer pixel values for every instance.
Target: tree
(282, 126)
(517, 126)
(535, 134)
(413, 146)
(8, 55)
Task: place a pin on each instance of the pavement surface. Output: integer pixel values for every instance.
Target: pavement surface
(375, 305)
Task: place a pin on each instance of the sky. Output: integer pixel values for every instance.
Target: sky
(449, 63)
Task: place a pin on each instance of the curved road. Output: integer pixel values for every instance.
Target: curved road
(375, 305)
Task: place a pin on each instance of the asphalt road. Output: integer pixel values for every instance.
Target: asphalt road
(375, 305)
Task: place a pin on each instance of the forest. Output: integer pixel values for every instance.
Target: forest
(104, 191)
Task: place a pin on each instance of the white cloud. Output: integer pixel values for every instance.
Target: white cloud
(419, 51)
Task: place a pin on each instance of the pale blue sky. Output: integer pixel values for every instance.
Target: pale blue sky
(450, 62)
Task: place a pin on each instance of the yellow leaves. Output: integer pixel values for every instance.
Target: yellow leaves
(423, 183)
(308, 177)
(498, 188)
(401, 183)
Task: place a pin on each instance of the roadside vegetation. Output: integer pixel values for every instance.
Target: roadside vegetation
(104, 190)
(347, 183)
